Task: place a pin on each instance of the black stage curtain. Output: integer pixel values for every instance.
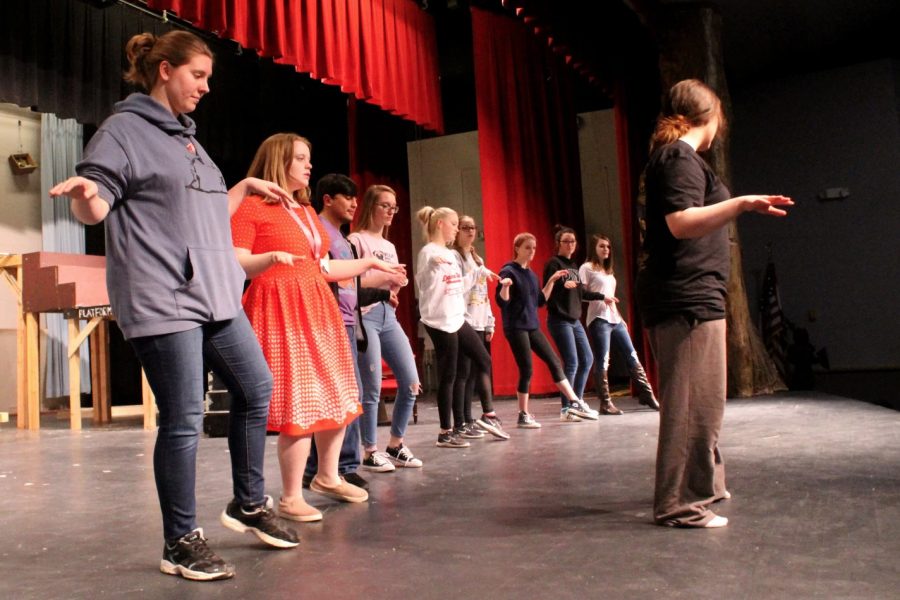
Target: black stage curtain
(67, 57)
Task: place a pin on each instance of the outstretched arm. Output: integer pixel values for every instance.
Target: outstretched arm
(252, 185)
(698, 221)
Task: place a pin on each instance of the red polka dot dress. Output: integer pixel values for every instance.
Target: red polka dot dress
(298, 323)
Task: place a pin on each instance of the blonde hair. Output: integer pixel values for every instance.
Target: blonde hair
(521, 239)
(367, 212)
(689, 103)
(429, 218)
(273, 161)
(462, 252)
(145, 52)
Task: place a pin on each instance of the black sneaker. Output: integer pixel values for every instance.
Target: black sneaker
(402, 456)
(355, 479)
(260, 520)
(451, 440)
(469, 431)
(493, 425)
(191, 558)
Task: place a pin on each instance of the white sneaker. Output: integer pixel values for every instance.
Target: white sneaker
(583, 410)
(377, 462)
(567, 416)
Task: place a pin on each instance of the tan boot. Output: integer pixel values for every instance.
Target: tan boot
(645, 390)
(606, 404)
(295, 508)
(608, 408)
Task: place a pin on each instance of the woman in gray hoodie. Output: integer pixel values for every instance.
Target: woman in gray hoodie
(175, 288)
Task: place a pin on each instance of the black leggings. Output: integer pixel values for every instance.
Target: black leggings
(468, 376)
(447, 348)
(523, 343)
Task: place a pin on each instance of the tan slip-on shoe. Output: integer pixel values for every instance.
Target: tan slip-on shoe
(295, 508)
(345, 492)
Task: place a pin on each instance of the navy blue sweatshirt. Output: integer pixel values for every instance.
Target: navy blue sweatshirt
(525, 296)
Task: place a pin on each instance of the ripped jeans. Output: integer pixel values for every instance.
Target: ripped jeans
(386, 340)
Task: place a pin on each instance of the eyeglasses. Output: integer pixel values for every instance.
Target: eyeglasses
(468, 228)
(388, 208)
(567, 241)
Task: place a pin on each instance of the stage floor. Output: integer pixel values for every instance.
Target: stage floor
(561, 512)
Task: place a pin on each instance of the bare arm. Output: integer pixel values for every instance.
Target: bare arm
(346, 269)
(256, 264)
(252, 185)
(698, 221)
(87, 205)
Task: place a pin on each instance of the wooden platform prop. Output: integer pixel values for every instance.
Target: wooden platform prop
(74, 285)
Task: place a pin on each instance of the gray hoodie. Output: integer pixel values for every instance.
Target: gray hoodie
(170, 262)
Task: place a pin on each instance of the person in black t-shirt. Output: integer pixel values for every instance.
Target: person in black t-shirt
(681, 294)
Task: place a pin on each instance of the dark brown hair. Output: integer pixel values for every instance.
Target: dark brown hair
(690, 103)
(559, 231)
(594, 258)
(145, 52)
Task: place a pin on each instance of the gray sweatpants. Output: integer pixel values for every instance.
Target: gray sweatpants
(690, 472)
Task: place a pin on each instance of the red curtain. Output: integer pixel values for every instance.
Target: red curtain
(380, 51)
(528, 146)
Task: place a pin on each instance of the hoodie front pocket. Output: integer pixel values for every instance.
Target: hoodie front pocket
(213, 291)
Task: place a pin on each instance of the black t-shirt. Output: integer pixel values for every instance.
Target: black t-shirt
(682, 277)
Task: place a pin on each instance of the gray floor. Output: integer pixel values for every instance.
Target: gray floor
(558, 513)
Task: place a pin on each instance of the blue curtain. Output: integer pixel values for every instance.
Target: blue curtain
(61, 143)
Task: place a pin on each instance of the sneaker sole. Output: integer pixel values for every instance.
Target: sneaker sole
(300, 518)
(529, 426)
(571, 420)
(382, 469)
(170, 568)
(497, 433)
(235, 525)
(581, 414)
(404, 464)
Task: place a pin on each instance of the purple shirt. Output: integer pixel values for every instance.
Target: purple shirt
(340, 250)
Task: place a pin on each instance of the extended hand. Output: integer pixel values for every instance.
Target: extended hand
(570, 285)
(268, 190)
(506, 282)
(77, 188)
(283, 258)
(611, 300)
(767, 205)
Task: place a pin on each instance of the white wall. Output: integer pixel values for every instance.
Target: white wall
(444, 171)
(838, 262)
(20, 227)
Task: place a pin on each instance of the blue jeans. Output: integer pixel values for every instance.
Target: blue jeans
(386, 340)
(174, 367)
(602, 334)
(573, 346)
(349, 460)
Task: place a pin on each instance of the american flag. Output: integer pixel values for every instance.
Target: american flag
(772, 322)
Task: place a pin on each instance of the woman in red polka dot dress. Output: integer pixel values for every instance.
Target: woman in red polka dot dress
(283, 248)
